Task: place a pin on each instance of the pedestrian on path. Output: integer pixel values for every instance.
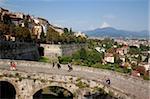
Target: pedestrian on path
(53, 64)
(70, 67)
(12, 65)
(58, 65)
(108, 81)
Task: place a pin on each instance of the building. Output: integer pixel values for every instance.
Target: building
(3, 10)
(81, 34)
(123, 50)
(44, 23)
(145, 65)
(37, 30)
(19, 15)
(57, 29)
(109, 58)
(99, 49)
(122, 57)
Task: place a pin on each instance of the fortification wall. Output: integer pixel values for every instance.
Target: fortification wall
(18, 50)
(55, 50)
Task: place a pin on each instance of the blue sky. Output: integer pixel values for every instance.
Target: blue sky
(86, 14)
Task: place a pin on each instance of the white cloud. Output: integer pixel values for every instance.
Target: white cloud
(104, 25)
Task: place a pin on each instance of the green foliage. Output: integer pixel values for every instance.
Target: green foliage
(52, 36)
(134, 50)
(23, 33)
(26, 23)
(81, 39)
(66, 38)
(44, 59)
(70, 31)
(83, 54)
(6, 29)
(81, 84)
(117, 59)
(146, 77)
(91, 44)
(114, 67)
(77, 62)
(134, 66)
(139, 58)
(3, 29)
(76, 55)
(87, 57)
(146, 59)
(65, 59)
(42, 37)
(66, 31)
(144, 47)
(7, 19)
(93, 57)
(108, 43)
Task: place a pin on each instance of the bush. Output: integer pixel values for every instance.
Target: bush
(81, 84)
(146, 77)
(87, 57)
(65, 59)
(98, 65)
(44, 59)
(77, 62)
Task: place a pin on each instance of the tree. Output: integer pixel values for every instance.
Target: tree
(144, 47)
(52, 36)
(26, 23)
(117, 59)
(22, 33)
(4, 28)
(83, 54)
(139, 59)
(108, 42)
(111, 50)
(42, 37)
(134, 50)
(146, 59)
(7, 19)
(127, 59)
(94, 57)
(62, 38)
(70, 31)
(66, 31)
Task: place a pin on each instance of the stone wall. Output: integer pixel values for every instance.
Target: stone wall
(18, 50)
(55, 50)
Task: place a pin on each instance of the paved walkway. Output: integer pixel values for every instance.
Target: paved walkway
(136, 87)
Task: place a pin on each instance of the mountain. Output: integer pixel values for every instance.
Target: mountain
(112, 32)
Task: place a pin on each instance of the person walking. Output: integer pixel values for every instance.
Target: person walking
(12, 65)
(70, 67)
(58, 65)
(53, 64)
(108, 81)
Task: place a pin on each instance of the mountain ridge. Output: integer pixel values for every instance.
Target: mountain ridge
(113, 32)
